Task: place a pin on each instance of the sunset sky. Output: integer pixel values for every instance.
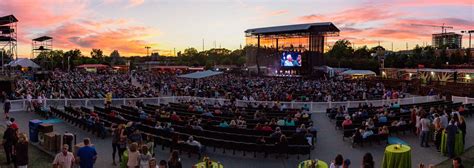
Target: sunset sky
(130, 25)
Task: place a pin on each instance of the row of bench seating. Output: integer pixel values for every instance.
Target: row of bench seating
(217, 142)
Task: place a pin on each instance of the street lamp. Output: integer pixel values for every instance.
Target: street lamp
(468, 32)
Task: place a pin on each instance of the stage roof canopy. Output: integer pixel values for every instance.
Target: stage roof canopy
(23, 62)
(8, 19)
(42, 38)
(319, 27)
(199, 75)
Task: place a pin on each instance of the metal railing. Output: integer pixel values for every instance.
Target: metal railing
(20, 105)
(464, 100)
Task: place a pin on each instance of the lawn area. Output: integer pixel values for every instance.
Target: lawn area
(37, 158)
(467, 159)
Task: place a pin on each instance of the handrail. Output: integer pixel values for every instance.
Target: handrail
(20, 105)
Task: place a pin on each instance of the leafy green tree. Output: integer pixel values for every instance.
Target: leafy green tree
(341, 49)
(97, 54)
(362, 52)
(115, 58)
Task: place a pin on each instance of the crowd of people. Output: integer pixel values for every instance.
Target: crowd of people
(15, 145)
(127, 138)
(431, 124)
(368, 162)
(78, 84)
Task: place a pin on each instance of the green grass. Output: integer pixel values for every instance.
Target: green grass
(37, 158)
(467, 159)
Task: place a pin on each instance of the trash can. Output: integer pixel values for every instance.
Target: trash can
(33, 125)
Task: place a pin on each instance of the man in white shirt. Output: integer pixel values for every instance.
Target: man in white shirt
(65, 159)
(193, 142)
(444, 120)
(29, 105)
(425, 131)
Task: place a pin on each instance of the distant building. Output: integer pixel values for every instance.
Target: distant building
(451, 39)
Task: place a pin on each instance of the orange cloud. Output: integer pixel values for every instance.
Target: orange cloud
(133, 3)
(129, 40)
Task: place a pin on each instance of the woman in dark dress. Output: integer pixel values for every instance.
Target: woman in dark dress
(174, 161)
(21, 151)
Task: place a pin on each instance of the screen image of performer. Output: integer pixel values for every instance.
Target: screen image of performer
(288, 61)
(299, 60)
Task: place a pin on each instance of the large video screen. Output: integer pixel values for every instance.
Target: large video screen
(290, 59)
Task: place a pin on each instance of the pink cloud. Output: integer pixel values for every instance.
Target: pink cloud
(278, 12)
(434, 2)
(44, 13)
(351, 16)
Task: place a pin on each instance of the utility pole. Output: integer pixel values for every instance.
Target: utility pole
(392, 46)
(203, 44)
(147, 50)
(174, 51)
(3, 66)
(407, 45)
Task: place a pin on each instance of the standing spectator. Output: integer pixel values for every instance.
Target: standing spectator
(6, 107)
(145, 157)
(133, 155)
(65, 159)
(151, 145)
(29, 102)
(122, 146)
(451, 131)
(438, 128)
(462, 127)
(346, 163)
(116, 135)
(174, 161)
(152, 164)
(86, 155)
(162, 164)
(136, 136)
(9, 140)
(425, 130)
(21, 151)
(457, 163)
(337, 162)
(368, 161)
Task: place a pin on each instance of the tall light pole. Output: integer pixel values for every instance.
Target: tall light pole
(3, 66)
(147, 50)
(468, 32)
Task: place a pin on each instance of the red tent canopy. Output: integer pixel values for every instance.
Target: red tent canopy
(92, 66)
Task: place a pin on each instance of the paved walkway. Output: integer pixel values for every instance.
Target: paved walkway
(328, 146)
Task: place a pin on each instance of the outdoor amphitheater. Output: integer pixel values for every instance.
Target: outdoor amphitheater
(236, 84)
(230, 129)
